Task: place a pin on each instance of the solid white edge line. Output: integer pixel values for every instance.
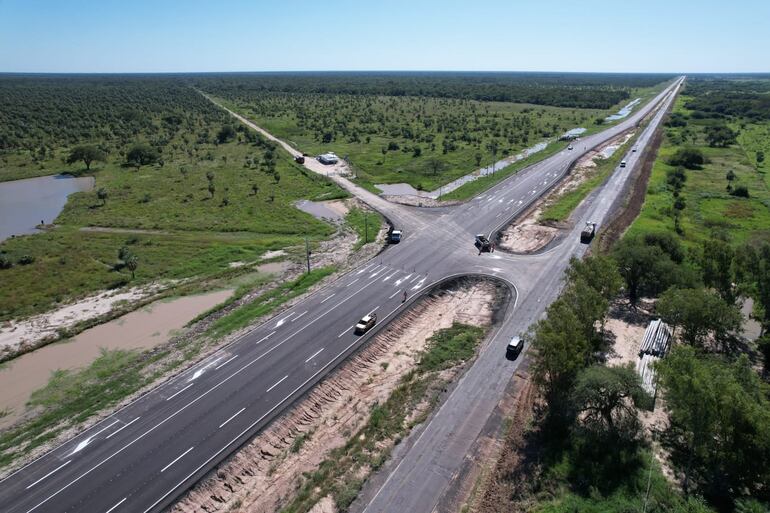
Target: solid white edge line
(277, 383)
(48, 474)
(116, 505)
(226, 362)
(231, 418)
(121, 429)
(176, 459)
(179, 392)
(314, 355)
(248, 428)
(177, 412)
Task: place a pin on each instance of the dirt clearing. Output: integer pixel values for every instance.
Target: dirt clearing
(266, 474)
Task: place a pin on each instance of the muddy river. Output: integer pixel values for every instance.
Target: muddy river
(142, 329)
(25, 203)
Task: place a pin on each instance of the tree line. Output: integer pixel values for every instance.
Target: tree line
(580, 90)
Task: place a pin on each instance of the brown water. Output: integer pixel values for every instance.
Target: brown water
(25, 203)
(142, 329)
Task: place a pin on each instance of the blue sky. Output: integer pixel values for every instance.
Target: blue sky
(260, 35)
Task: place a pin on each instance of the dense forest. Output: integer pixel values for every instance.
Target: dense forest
(41, 113)
(580, 90)
(714, 96)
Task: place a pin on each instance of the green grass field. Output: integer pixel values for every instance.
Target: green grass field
(396, 139)
(710, 209)
(251, 211)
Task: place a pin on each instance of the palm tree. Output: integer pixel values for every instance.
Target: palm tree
(132, 263)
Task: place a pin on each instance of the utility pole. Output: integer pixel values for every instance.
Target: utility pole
(366, 229)
(307, 254)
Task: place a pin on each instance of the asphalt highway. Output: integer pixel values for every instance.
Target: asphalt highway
(144, 456)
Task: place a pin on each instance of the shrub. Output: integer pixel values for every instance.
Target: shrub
(689, 158)
(740, 191)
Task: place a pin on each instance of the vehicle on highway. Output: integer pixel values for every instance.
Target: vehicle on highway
(633, 150)
(366, 323)
(569, 147)
(514, 348)
(395, 237)
(622, 163)
(588, 233)
(482, 243)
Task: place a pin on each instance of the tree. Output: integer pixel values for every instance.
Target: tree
(607, 396)
(720, 136)
(102, 195)
(687, 157)
(599, 272)
(142, 155)
(212, 189)
(716, 265)
(226, 134)
(699, 313)
(477, 158)
(720, 416)
(760, 156)
(436, 165)
(132, 262)
(560, 351)
(254, 189)
(86, 154)
(644, 268)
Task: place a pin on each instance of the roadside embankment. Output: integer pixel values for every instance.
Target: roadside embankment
(318, 454)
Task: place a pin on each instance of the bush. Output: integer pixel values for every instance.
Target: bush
(688, 157)
(740, 191)
(5, 262)
(26, 260)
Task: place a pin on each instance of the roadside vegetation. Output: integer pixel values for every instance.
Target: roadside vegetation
(340, 475)
(365, 223)
(587, 449)
(268, 302)
(180, 191)
(710, 178)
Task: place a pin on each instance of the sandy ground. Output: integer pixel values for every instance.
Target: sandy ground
(419, 201)
(15, 335)
(265, 473)
(529, 234)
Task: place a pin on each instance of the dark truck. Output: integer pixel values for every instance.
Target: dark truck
(482, 243)
(588, 233)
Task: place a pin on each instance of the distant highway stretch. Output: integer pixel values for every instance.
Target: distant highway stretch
(144, 456)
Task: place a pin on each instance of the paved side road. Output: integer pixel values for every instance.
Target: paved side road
(141, 458)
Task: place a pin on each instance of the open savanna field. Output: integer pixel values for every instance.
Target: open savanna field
(210, 193)
(713, 203)
(423, 130)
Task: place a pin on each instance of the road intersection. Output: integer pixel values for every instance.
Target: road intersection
(141, 458)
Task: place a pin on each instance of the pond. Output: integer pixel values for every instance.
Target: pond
(142, 329)
(24, 204)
